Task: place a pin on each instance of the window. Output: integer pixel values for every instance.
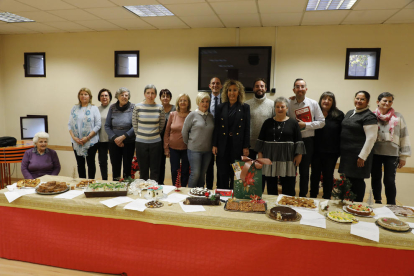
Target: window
(34, 65)
(362, 63)
(31, 125)
(127, 64)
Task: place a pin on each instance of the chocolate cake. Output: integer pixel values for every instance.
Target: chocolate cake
(282, 213)
(202, 200)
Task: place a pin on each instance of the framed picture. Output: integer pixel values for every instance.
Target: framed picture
(34, 64)
(127, 64)
(31, 125)
(362, 63)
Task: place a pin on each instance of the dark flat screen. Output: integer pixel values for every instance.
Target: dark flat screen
(244, 64)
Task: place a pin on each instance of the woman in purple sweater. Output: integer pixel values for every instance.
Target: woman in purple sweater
(40, 160)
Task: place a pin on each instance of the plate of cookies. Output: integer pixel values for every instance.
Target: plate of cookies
(300, 202)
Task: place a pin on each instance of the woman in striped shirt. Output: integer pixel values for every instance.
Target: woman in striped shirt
(148, 119)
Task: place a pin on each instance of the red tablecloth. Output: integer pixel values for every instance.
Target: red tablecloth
(114, 246)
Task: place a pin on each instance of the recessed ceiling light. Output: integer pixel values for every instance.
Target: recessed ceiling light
(13, 18)
(149, 10)
(320, 5)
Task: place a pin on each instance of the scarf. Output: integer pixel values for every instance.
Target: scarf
(390, 117)
(86, 128)
(123, 108)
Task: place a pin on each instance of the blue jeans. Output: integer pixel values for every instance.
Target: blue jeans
(199, 161)
(178, 157)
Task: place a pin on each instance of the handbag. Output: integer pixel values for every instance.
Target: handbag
(7, 141)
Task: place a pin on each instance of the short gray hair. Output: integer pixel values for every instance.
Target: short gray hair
(281, 100)
(150, 86)
(40, 135)
(201, 96)
(122, 90)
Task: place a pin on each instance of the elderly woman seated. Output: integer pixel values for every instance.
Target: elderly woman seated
(40, 160)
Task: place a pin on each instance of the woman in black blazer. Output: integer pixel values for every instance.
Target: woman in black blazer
(231, 137)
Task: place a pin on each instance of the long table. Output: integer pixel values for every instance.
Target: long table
(84, 234)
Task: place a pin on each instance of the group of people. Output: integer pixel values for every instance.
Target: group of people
(223, 127)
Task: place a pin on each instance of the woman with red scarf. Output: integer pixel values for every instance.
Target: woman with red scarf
(391, 148)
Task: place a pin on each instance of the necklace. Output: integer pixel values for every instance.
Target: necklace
(280, 125)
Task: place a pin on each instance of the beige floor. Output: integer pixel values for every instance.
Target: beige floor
(405, 197)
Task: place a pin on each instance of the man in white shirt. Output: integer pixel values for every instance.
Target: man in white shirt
(261, 109)
(307, 129)
(215, 99)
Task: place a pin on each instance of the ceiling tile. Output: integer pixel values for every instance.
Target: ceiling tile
(112, 13)
(166, 2)
(323, 17)
(281, 19)
(13, 6)
(41, 28)
(241, 20)
(202, 9)
(99, 25)
(47, 5)
(202, 21)
(380, 4)
(132, 24)
(279, 6)
(13, 29)
(372, 17)
(134, 2)
(75, 15)
(90, 3)
(68, 26)
(165, 22)
(235, 7)
(41, 16)
(404, 16)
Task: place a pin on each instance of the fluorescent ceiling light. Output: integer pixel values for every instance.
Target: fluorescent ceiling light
(149, 10)
(13, 18)
(320, 5)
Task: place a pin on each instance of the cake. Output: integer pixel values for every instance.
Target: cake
(393, 224)
(297, 202)
(341, 216)
(258, 207)
(401, 211)
(245, 206)
(359, 209)
(199, 191)
(155, 192)
(282, 213)
(213, 200)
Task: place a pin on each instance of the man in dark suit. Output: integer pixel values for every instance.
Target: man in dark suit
(215, 99)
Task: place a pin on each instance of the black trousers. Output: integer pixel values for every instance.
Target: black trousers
(253, 156)
(149, 158)
(390, 169)
(322, 163)
(288, 185)
(358, 187)
(225, 173)
(304, 167)
(90, 160)
(163, 159)
(210, 174)
(176, 156)
(103, 159)
(121, 155)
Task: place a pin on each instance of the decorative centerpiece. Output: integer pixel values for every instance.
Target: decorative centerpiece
(342, 189)
(154, 192)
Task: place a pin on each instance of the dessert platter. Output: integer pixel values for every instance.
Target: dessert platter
(401, 211)
(245, 206)
(283, 214)
(198, 192)
(393, 224)
(28, 183)
(198, 200)
(84, 183)
(154, 204)
(359, 210)
(106, 189)
(342, 217)
(52, 188)
(302, 202)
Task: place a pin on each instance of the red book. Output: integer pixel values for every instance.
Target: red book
(304, 114)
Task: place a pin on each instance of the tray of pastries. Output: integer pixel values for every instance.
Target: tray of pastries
(294, 201)
(28, 183)
(106, 189)
(52, 188)
(245, 206)
(84, 183)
